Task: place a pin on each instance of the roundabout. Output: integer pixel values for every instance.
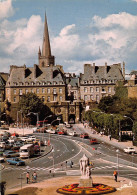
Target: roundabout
(74, 189)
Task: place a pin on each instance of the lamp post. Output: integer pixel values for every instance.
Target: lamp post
(18, 118)
(46, 118)
(51, 125)
(117, 151)
(53, 160)
(132, 122)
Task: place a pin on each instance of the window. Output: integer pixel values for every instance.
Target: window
(60, 90)
(48, 83)
(14, 91)
(91, 97)
(37, 90)
(48, 100)
(54, 90)
(85, 97)
(43, 98)
(97, 98)
(7, 91)
(54, 98)
(14, 99)
(109, 89)
(48, 90)
(97, 89)
(43, 83)
(20, 91)
(26, 91)
(54, 82)
(91, 90)
(103, 89)
(60, 98)
(85, 89)
(32, 91)
(43, 90)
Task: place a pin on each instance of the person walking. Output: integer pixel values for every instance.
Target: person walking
(35, 177)
(115, 175)
(28, 177)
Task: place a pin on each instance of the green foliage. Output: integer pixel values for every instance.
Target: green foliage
(30, 102)
(135, 130)
(121, 91)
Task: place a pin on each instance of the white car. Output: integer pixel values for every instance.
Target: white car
(31, 138)
(129, 150)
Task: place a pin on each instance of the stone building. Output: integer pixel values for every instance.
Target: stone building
(100, 81)
(132, 85)
(47, 80)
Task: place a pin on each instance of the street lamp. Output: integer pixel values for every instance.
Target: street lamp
(117, 151)
(18, 118)
(53, 159)
(132, 122)
(51, 125)
(46, 118)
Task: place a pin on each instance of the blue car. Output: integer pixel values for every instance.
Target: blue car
(15, 161)
(10, 153)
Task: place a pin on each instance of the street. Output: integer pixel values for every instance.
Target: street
(65, 149)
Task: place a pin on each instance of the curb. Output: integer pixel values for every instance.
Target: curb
(43, 154)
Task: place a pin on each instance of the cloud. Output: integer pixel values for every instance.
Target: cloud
(111, 39)
(134, 0)
(66, 43)
(6, 9)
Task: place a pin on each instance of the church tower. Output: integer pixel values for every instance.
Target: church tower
(45, 58)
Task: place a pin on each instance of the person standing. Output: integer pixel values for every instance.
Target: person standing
(28, 177)
(115, 175)
(35, 176)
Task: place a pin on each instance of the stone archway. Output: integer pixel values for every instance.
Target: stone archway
(72, 118)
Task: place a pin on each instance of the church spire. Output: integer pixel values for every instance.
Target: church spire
(45, 57)
(46, 51)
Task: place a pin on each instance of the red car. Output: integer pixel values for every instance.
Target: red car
(61, 133)
(93, 141)
(84, 135)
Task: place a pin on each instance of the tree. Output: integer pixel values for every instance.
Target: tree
(30, 102)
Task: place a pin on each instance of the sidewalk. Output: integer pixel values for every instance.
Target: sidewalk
(104, 138)
(49, 186)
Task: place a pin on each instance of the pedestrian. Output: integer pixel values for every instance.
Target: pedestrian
(35, 176)
(110, 137)
(28, 177)
(115, 175)
(32, 178)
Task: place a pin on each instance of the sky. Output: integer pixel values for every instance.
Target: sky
(81, 31)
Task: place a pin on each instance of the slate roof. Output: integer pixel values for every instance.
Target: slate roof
(2, 82)
(112, 72)
(72, 81)
(23, 75)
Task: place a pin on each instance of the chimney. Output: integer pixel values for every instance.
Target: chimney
(106, 68)
(35, 71)
(94, 68)
(24, 67)
(124, 70)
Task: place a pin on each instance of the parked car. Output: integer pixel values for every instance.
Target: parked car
(15, 161)
(1, 159)
(61, 133)
(1, 151)
(10, 153)
(93, 141)
(129, 150)
(2, 144)
(68, 126)
(31, 138)
(84, 135)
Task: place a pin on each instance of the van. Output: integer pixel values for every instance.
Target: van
(27, 151)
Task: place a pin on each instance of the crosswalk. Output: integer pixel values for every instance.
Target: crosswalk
(57, 169)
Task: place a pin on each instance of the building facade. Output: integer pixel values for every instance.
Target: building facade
(100, 81)
(46, 80)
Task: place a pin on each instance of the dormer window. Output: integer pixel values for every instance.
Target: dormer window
(48, 82)
(54, 82)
